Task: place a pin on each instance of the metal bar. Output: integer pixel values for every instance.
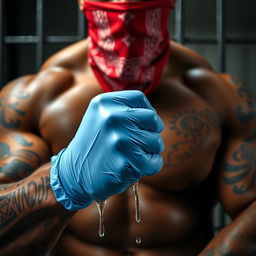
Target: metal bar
(71, 39)
(62, 39)
(20, 39)
(220, 33)
(233, 40)
(1, 42)
(179, 21)
(81, 25)
(35, 39)
(39, 33)
(214, 40)
(197, 40)
(221, 52)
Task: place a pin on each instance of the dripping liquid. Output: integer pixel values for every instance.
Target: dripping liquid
(137, 202)
(101, 206)
(137, 207)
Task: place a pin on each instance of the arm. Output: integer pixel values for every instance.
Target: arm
(237, 183)
(30, 217)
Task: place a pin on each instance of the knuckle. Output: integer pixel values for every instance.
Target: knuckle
(113, 119)
(137, 93)
(99, 99)
(121, 143)
(95, 100)
(160, 143)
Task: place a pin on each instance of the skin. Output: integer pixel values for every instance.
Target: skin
(210, 156)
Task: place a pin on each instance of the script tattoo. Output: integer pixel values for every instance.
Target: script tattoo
(10, 104)
(11, 185)
(243, 167)
(27, 196)
(192, 128)
(246, 112)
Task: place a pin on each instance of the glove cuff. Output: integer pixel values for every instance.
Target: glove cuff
(59, 190)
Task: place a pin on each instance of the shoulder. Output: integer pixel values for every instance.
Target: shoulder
(72, 57)
(55, 70)
(187, 58)
(230, 97)
(23, 99)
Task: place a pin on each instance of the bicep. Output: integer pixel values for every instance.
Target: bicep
(14, 103)
(237, 180)
(20, 154)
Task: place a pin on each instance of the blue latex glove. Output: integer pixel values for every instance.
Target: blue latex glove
(116, 144)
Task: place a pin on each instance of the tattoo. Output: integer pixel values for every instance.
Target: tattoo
(17, 168)
(245, 113)
(242, 168)
(209, 252)
(4, 187)
(193, 128)
(251, 138)
(11, 104)
(29, 222)
(21, 140)
(212, 252)
(24, 197)
(24, 153)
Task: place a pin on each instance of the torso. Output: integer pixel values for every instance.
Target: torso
(176, 204)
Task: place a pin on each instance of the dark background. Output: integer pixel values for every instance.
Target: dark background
(61, 21)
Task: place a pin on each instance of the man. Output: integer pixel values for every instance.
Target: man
(209, 139)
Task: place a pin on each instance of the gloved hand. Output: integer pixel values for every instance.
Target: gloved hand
(116, 144)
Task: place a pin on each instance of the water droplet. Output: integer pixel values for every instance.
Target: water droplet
(137, 202)
(138, 240)
(101, 207)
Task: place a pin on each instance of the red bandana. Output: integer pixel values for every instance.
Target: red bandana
(129, 43)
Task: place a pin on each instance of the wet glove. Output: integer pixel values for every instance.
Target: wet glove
(116, 144)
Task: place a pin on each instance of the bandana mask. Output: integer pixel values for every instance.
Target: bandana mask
(128, 43)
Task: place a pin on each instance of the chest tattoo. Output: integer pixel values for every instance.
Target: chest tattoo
(192, 129)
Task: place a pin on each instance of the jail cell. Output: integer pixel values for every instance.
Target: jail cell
(32, 30)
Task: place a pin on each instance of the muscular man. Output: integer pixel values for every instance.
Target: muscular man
(209, 137)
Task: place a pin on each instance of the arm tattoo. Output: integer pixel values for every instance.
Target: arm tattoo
(245, 113)
(25, 161)
(212, 252)
(192, 128)
(242, 167)
(16, 169)
(21, 140)
(10, 104)
(51, 223)
(27, 196)
(209, 252)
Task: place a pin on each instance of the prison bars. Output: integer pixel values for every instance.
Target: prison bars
(1, 42)
(40, 39)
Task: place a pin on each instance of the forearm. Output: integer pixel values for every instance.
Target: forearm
(236, 239)
(31, 220)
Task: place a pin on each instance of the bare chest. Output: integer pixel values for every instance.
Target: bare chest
(191, 134)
